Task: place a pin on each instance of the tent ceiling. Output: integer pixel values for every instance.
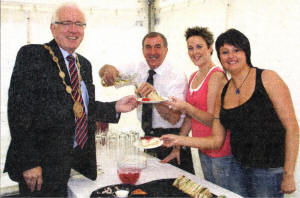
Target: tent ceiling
(98, 4)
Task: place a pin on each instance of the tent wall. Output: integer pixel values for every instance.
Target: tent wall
(272, 26)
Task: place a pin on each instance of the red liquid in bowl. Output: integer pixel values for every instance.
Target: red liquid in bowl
(129, 175)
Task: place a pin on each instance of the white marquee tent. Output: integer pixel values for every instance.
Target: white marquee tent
(115, 29)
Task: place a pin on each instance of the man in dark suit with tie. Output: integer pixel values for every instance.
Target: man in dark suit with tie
(52, 111)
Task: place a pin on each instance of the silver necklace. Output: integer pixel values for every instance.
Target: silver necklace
(237, 89)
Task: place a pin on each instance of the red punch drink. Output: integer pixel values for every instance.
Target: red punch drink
(129, 175)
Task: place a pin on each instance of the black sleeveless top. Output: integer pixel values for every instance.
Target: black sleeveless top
(257, 135)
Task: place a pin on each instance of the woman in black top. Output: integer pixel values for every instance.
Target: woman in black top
(256, 106)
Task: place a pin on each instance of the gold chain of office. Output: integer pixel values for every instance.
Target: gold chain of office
(77, 106)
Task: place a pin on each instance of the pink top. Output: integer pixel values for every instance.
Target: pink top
(198, 98)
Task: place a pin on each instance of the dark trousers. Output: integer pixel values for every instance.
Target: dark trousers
(55, 180)
(186, 161)
(50, 188)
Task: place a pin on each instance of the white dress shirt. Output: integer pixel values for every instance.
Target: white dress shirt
(167, 81)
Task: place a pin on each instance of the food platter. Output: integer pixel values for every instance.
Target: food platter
(157, 188)
(147, 101)
(148, 142)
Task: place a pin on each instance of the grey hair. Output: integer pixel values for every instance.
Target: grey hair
(68, 4)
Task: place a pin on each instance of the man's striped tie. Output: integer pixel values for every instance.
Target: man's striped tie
(80, 123)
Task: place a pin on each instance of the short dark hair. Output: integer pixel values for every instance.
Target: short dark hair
(202, 32)
(155, 34)
(238, 40)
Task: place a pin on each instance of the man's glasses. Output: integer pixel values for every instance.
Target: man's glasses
(69, 23)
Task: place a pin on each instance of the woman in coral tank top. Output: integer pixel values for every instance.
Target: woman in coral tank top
(204, 86)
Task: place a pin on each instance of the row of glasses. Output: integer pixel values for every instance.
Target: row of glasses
(125, 144)
(113, 146)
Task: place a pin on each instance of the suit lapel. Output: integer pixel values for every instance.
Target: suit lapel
(82, 68)
(61, 60)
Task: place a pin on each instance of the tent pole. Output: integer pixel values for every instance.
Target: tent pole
(150, 14)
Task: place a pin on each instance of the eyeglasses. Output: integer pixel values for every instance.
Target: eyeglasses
(69, 23)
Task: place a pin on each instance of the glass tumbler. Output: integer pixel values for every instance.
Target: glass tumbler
(101, 140)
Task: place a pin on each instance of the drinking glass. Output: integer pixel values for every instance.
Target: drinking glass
(123, 144)
(112, 147)
(133, 138)
(101, 140)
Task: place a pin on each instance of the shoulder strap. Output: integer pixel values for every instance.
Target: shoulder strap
(192, 77)
(223, 93)
(216, 69)
(259, 87)
(258, 75)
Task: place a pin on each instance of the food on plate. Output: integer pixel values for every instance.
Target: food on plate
(176, 182)
(191, 188)
(154, 96)
(205, 193)
(183, 182)
(148, 141)
(138, 192)
(145, 99)
(122, 193)
(107, 190)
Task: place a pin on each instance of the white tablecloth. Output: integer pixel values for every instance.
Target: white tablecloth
(80, 187)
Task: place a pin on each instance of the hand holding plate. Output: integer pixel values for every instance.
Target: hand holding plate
(176, 104)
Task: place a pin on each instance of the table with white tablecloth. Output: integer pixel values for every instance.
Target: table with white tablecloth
(80, 186)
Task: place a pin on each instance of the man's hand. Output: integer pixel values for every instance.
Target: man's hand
(145, 89)
(33, 178)
(108, 73)
(174, 154)
(126, 104)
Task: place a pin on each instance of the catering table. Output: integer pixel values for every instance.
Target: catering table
(79, 186)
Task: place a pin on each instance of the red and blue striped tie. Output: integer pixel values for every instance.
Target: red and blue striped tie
(80, 123)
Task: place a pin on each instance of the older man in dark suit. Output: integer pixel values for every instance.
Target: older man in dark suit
(52, 110)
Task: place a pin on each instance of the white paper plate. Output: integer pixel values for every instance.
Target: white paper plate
(139, 145)
(152, 101)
